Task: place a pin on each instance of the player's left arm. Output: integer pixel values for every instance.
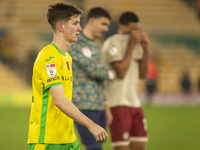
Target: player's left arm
(143, 63)
(109, 117)
(67, 107)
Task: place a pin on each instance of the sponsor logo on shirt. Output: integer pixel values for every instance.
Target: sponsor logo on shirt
(51, 69)
(49, 58)
(67, 63)
(52, 79)
(66, 78)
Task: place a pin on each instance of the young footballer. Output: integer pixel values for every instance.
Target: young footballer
(52, 113)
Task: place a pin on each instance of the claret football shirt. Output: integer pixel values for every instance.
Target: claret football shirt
(122, 92)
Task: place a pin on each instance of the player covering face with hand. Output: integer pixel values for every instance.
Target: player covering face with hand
(52, 112)
(126, 53)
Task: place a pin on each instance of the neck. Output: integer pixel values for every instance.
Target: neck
(123, 32)
(88, 32)
(62, 44)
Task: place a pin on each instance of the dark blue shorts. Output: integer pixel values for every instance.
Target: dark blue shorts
(99, 118)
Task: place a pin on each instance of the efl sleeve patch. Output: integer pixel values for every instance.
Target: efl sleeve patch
(51, 69)
(50, 72)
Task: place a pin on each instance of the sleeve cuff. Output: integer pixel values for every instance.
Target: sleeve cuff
(53, 84)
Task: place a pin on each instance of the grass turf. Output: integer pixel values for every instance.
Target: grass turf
(174, 128)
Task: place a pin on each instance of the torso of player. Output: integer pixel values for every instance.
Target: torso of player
(88, 73)
(48, 124)
(53, 67)
(122, 92)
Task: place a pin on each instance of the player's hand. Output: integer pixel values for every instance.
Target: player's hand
(144, 41)
(99, 133)
(135, 37)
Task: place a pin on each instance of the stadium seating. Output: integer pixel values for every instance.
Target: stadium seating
(165, 18)
(27, 22)
(10, 80)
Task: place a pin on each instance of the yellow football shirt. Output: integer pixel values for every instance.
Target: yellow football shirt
(48, 124)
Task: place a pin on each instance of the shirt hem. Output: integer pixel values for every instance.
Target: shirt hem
(53, 142)
(128, 105)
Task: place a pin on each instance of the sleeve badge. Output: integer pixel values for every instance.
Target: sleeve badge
(113, 50)
(51, 69)
(86, 52)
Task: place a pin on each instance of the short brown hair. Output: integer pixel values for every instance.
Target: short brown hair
(128, 17)
(98, 12)
(61, 12)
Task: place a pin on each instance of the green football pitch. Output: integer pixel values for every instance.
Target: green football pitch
(169, 128)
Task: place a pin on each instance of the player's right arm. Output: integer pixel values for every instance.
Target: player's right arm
(122, 66)
(67, 107)
(143, 63)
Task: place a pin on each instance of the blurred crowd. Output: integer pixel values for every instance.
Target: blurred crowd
(195, 4)
(8, 44)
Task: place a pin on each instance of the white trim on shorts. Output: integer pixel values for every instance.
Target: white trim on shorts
(132, 139)
(120, 143)
(139, 139)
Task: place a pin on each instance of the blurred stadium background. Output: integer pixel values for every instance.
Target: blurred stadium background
(174, 30)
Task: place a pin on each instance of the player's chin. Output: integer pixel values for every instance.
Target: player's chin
(99, 35)
(74, 40)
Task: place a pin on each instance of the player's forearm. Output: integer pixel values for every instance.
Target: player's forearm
(109, 117)
(67, 107)
(122, 66)
(107, 107)
(71, 110)
(143, 65)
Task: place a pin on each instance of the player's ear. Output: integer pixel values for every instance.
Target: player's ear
(120, 26)
(60, 26)
(91, 21)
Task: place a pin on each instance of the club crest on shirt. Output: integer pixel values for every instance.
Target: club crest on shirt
(113, 50)
(86, 52)
(51, 69)
(68, 67)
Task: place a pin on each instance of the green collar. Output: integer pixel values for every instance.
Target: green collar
(64, 54)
